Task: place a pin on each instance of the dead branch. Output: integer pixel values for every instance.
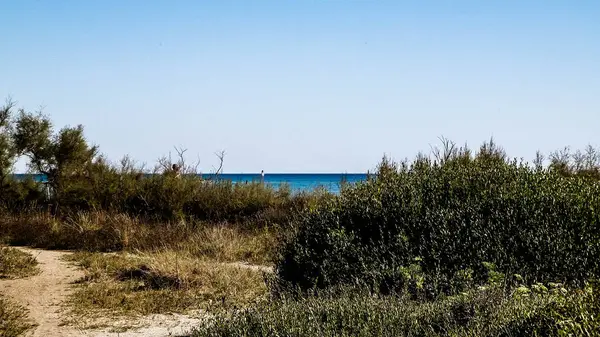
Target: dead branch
(181, 156)
(196, 165)
(163, 164)
(447, 152)
(221, 156)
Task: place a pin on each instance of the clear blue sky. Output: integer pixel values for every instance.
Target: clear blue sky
(305, 86)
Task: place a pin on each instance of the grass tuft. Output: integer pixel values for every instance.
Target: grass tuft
(13, 319)
(16, 264)
(161, 282)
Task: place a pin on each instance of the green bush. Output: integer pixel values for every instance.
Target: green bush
(79, 179)
(22, 195)
(462, 216)
(478, 313)
(161, 197)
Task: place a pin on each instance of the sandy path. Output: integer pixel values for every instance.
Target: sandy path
(42, 294)
(255, 267)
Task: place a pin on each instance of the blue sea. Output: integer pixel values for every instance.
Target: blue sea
(297, 181)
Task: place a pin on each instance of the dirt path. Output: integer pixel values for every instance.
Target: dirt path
(42, 294)
(243, 265)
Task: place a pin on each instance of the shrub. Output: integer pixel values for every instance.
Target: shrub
(79, 179)
(15, 263)
(13, 319)
(448, 219)
(478, 313)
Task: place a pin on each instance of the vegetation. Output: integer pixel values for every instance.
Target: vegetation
(91, 204)
(13, 319)
(105, 232)
(440, 227)
(458, 243)
(161, 282)
(80, 179)
(536, 311)
(16, 264)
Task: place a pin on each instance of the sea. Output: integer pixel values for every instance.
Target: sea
(297, 182)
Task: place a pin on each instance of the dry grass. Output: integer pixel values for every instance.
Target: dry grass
(161, 282)
(228, 244)
(152, 268)
(105, 232)
(13, 319)
(16, 264)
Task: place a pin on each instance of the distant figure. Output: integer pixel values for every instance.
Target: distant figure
(176, 169)
(262, 176)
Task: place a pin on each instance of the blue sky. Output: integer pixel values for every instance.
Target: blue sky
(307, 86)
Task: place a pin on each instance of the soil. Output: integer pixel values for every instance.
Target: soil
(44, 293)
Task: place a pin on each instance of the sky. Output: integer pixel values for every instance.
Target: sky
(306, 86)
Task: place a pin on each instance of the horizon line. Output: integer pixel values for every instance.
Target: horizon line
(257, 173)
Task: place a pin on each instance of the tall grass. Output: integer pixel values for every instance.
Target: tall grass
(105, 232)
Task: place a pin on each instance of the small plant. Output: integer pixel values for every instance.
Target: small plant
(13, 319)
(16, 264)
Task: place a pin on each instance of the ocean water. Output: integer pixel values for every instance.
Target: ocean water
(297, 181)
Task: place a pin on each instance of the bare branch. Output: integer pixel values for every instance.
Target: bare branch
(579, 161)
(449, 148)
(539, 160)
(163, 164)
(592, 157)
(195, 166)
(447, 152)
(435, 151)
(221, 156)
(562, 156)
(181, 155)
(166, 164)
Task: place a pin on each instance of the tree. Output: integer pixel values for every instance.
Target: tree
(61, 157)
(7, 149)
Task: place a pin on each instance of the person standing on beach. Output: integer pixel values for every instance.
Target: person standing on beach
(262, 176)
